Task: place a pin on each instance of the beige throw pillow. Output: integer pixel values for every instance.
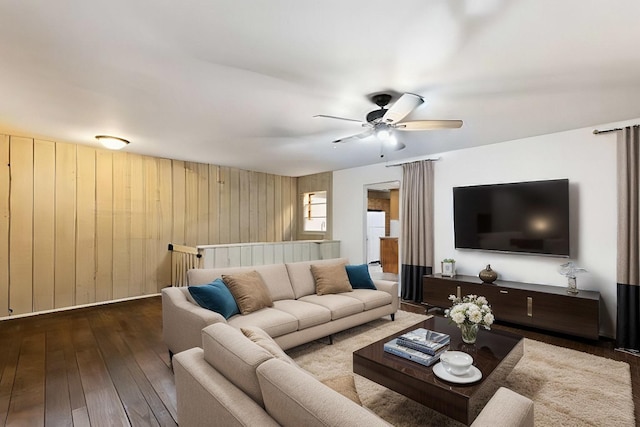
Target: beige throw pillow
(249, 291)
(330, 279)
(345, 385)
(263, 339)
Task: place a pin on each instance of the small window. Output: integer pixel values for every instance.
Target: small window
(315, 211)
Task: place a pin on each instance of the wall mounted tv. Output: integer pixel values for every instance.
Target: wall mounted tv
(527, 217)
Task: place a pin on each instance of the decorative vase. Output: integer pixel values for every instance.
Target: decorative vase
(469, 332)
(488, 275)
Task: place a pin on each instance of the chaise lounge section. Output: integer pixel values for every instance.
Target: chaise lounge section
(237, 381)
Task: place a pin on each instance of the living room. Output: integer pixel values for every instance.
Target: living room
(85, 226)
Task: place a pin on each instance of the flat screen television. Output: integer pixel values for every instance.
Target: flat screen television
(527, 217)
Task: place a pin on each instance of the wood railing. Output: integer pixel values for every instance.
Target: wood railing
(260, 253)
(183, 258)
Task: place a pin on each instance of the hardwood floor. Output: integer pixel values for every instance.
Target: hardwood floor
(100, 366)
(108, 366)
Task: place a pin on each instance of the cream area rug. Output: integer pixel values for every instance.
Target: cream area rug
(568, 387)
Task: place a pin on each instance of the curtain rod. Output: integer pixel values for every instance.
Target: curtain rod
(412, 161)
(598, 132)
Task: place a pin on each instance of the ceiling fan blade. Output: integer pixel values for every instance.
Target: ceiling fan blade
(402, 107)
(324, 116)
(358, 136)
(428, 124)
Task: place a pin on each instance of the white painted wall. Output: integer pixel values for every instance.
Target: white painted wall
(350, 206)
(587, 160)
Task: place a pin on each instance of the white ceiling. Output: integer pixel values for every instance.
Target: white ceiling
(236, 83)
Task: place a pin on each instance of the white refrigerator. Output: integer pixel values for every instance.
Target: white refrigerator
(375, 230)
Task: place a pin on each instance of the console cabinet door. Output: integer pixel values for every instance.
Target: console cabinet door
(435, 292)
(566, 314)
(513, 305)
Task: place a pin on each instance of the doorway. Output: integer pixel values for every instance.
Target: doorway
(382, 227)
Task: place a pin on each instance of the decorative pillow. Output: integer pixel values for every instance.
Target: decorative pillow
(263, 339)
(215, 296)
(249, 291)
(345, 385)
(359, 277)
(330, 279)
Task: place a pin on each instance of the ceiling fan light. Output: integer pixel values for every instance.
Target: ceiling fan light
(383, 134)
(112, 142)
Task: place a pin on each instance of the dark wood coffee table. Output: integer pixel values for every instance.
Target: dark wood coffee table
(495, 353)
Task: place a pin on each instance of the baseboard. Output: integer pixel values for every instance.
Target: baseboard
(73, 307)
(631, 351)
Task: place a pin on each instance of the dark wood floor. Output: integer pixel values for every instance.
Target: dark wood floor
(100, 366)
(108, 366)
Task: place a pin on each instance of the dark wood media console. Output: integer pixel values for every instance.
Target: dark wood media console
(541, 306)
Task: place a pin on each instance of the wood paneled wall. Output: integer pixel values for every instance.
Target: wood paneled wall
(81, 225)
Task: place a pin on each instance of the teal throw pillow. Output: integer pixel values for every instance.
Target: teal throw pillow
(359, 277)
(215, 296)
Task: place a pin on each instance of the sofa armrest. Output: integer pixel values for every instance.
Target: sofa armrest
(506, 409)
(183, 321)
(391, 288)
(294, 397)
(205, 397)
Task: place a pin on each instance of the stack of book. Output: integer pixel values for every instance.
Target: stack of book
(421, 345)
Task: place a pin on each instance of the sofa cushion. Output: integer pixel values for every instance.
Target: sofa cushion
(272, 321)
(339, 305)
(308, 314)
(215, 297)
(249, 291)
(201, 276)
(263, 339)
(359, 276)
(330, 279)
(275, 277)
(301, 277)
(370, 299)
(295, 398)
(233, 355)
(345, 385)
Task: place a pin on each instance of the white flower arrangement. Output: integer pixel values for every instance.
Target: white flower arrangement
(470, 310)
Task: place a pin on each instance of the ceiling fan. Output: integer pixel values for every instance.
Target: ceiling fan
(385, 121)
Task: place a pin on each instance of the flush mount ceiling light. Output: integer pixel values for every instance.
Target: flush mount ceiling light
(112, 142)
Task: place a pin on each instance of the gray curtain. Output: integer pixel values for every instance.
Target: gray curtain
(628, 271)
(417, 227)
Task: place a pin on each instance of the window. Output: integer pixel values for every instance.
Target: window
(315, 211)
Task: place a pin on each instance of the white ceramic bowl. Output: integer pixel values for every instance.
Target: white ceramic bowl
(456, 362)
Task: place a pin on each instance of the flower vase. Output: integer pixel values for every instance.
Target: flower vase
(469, 332)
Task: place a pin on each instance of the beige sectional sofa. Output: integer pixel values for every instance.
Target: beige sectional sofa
(298, 314)
(233, 381)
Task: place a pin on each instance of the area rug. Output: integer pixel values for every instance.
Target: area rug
(568, 387)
